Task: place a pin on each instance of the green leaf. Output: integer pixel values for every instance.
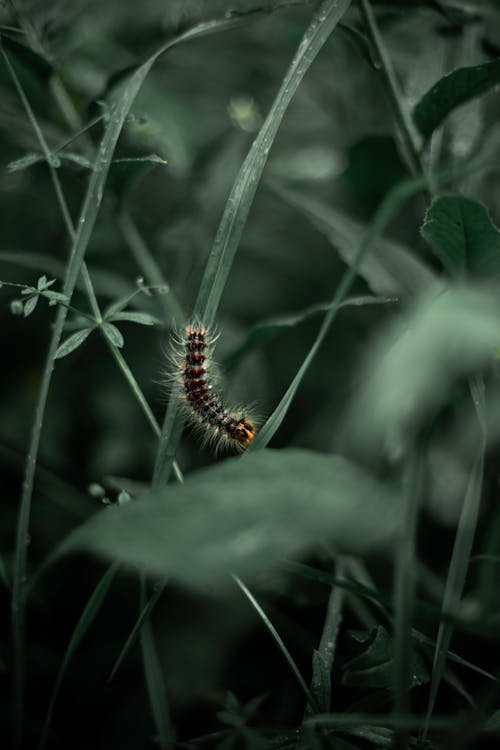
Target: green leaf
(42, 283)
(72, 342)
(463, 236)
(30, 305)
(24, 162)
(243, 516)
(451, 91)
(144, 319)
(113, 335)
(414, 361)
(374, 667)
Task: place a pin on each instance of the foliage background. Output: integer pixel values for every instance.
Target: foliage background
(338, 149)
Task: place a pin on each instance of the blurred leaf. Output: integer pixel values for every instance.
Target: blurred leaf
(451, 91)
(113, 335)
(272, 327)
(415, 360)
(243, 516)
(144, 319)
(492, 725)
(72, 342)
(390, 268)
(374, 667)
(462, 235)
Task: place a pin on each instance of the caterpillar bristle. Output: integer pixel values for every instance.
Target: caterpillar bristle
(222, 428)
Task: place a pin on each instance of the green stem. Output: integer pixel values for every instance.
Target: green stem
(407, 129)
(149, 267)
(404, 587)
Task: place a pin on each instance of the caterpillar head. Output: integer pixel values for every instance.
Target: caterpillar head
(244, 432)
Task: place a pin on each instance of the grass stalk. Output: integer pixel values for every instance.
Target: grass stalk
(408, 131)
(404, 586)
(461, 555)
(149, 267)
(239, 203)
(311, 700)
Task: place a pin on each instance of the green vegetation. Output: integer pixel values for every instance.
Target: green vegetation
(316, 181)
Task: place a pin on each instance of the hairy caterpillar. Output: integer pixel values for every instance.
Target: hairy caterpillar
(223, 427)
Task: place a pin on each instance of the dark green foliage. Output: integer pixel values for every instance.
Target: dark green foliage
(318, 181)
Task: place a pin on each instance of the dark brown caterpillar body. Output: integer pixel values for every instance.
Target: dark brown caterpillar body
(225, 427)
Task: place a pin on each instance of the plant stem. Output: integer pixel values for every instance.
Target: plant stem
(404, 585)
(408, 131)
(149, 267)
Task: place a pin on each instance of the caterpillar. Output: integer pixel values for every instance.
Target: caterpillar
(223, 427)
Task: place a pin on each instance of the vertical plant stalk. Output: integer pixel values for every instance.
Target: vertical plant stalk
(149, 267)
(462, 548)
(93, 198)
(239, 203)
(311, 700)
(154, 680)
(88, 215)
(408, 131)
(404, 585)
(324, 656)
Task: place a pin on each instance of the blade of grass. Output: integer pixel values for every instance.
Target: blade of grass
(271, 327)
(404, 586)
(238, 206)
(149, 267)
(87, 617)
(389, 207)
(362, 586)
(134, 633)
(324, 656)
(408, 131)
(91, 205)
(311, 700)
(461, 554)
(154, 681)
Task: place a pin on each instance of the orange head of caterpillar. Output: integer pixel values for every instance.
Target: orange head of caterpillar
(243, 432)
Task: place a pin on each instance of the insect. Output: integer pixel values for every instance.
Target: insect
(222, 427)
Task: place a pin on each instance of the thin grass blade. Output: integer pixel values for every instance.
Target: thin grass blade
(238, 207)
(461, 555)
(155, 682)
(87, 617)
(404, 587)
(122, 103)
(134, 633)
(311, 700)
